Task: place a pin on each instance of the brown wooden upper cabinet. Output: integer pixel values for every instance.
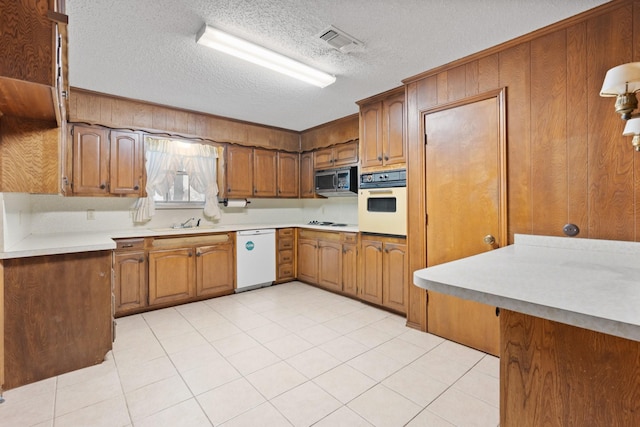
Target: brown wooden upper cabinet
(307, 184)
(33, 45)
(258, 172)
(106, 162)
(338, 155)
(382, 131)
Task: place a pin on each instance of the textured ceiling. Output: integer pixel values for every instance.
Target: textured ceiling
(146, 49)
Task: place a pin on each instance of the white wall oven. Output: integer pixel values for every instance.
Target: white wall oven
(382, 202)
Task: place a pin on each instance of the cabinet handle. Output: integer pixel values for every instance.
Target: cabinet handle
(127, 245)
(190, 254)
(229, 189)
(103, 186)
(380, 158)
(141, 260)
(255, 190)
(386, 251)
(136, 187)
(386, 157)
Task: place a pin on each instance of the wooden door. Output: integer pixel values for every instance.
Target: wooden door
(171, 275)
(330, 265)
(239, 171)
(90, 161)
(394, 276)
(307, 183)
(126, 163)
(287, 175)
(350, 268)
(466, 201)
(393, 131)
(371, 135)
(130, 284)
(345, 154)
(215, 272)
(370, 284)
(264, 173)
(308, 260)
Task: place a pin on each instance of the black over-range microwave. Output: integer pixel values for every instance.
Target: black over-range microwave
(337, 182)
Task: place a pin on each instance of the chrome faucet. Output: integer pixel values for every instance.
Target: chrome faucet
(186, 223)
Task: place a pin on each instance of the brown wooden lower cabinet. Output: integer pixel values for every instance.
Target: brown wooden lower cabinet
(57, 314)
(384, 273)
(285, 267)
(215, 272)
(350, 268)
(129, 276)
(330, 265)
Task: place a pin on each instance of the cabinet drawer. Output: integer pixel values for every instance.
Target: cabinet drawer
(285, 232)
(285, 243)
(130, 243)
(285, 257)
(349, 237)
(285, 271)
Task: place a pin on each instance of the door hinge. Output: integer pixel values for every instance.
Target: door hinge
(426, 219)
(425, 138)
(72, 129)
(426, 296)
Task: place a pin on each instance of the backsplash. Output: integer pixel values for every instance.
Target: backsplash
(25, 214)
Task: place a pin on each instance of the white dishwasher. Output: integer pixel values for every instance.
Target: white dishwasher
(255, 258)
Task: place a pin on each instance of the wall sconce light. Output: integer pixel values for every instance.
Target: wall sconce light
(623, 82)
(632, 127)
(223, 42)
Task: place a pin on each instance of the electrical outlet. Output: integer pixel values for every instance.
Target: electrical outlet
(91, 214)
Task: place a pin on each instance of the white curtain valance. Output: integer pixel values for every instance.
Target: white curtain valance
(163, 158)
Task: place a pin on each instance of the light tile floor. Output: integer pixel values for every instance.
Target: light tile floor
(287, 355)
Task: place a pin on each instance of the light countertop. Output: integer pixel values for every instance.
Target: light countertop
(60, 243)
(589, 283)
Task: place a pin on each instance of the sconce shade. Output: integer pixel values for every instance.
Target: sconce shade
(622, 79)
(632, 127)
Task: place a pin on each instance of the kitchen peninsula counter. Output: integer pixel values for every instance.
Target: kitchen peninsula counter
(569, 326)
(73, 242)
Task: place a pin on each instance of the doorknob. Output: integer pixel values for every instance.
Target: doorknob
(489, 239)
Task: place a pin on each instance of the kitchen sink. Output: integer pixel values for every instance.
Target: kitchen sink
(202, 227)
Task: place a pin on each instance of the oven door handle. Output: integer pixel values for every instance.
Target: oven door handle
(380, 191)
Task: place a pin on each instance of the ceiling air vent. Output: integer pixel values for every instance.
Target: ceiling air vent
(339, 40)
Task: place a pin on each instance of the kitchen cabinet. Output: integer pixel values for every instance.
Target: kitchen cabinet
(257, 172)
(239, 171)
(106, 162)
(383, 131)
(57, 314)
(336, 156)
(33, 72)
(288, 174)
(307, 176)
(285, 269)
(264, 173)
(327, 259)
(350, 264)
(384, 274)
(129, 276)
(183, 268)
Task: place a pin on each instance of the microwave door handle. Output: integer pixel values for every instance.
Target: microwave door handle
(335, 181)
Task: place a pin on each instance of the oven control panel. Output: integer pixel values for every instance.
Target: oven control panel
(391, 178)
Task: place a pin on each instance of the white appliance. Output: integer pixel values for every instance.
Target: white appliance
(382, 202)
(255, 258)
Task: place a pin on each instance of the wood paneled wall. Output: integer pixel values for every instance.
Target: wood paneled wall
(112, 111)
(338, 131)
(567, 159)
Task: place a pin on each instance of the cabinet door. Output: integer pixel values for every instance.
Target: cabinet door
(288, 183)
(394, 279)
(130, 284)
(393, 139)
(345, 154)
(371, 135)
(330, 265)
(308, 260)
(126, 163)
(264, 173)
(323, 159)
(239, 171)
(90, 161)
(215, 272)
(171, 275)
(350, 269)
(371, 271)
(307, 184)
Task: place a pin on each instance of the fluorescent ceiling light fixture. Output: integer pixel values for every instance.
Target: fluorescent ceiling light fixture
(219, 40)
